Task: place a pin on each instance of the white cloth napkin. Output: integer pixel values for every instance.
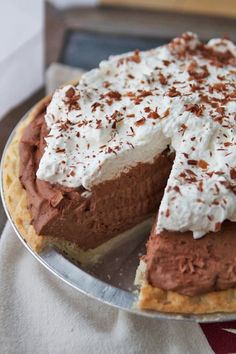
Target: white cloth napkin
(40, 314)
(59, 74)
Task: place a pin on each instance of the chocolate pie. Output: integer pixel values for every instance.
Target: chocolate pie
(146, 133)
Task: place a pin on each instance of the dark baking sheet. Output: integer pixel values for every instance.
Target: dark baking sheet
(86, 49)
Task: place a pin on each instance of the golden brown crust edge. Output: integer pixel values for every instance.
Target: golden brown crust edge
(14, 194)
(151, 298)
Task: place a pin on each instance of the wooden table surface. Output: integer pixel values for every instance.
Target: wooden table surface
(116, 21)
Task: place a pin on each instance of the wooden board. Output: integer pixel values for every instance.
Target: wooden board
(206, 7)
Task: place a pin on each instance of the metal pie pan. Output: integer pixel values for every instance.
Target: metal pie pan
(111, 279)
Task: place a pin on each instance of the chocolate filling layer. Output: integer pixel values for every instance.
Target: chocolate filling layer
(177, 262)
(89, 218)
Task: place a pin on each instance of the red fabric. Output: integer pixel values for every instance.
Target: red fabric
(221, 336)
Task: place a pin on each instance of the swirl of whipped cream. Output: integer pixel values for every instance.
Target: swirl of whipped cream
(132, 107)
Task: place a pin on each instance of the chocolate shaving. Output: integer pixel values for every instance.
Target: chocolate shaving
(163, 80)
(166, 113)
(133, 58)
(153, 115)
(192, 162)
(202, 164)
(95, 105)
(197, 72)
(173, 92)
(233, 173)
(70, 93)
(60, 150)
(140, 122)
(195, 108)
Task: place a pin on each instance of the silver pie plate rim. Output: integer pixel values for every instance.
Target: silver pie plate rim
(80, 280)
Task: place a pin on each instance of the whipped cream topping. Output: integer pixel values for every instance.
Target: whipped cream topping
(132, 107)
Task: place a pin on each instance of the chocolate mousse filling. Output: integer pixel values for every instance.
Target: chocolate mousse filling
(177, 262)
(89, 218)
